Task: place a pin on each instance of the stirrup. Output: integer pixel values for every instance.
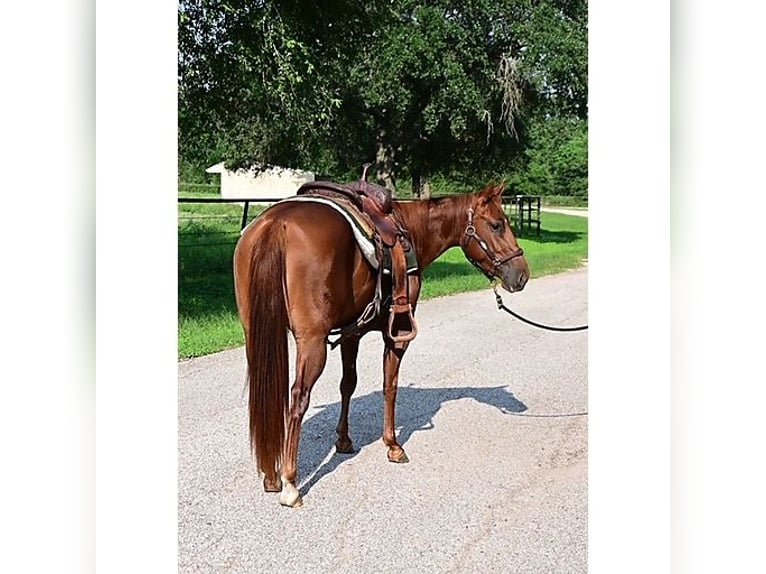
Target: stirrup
(393, 312)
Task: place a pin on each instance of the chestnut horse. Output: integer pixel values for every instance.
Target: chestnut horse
(297, 267)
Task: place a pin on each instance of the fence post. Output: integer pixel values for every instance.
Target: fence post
(244, 215)
(538, 215)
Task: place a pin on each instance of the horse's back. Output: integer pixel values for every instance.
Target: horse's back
(328, 282)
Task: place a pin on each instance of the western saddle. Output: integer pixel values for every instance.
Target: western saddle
(393, 250)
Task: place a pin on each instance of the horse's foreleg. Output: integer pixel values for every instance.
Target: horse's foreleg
(392, 358)
(311, 358)
(349, 349)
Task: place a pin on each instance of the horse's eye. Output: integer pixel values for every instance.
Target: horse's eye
(496, 226)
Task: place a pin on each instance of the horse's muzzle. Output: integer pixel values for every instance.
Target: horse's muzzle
(514, 275)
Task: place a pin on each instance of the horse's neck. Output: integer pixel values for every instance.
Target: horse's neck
(435, 225)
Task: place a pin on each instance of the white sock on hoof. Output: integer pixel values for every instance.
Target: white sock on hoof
(289, 495)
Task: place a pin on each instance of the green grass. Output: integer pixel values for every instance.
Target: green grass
(207, 315)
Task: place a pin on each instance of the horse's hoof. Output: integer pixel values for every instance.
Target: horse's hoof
(290, 496)
(344, 446)
(272, 486)
(398, 456)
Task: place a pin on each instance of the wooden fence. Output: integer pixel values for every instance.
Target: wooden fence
(523, 210)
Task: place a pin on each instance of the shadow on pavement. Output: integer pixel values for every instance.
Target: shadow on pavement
(415, 410)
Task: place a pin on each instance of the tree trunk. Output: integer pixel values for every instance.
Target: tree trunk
(415, 184)
(421, 185)
(425, 187)
(384, 163)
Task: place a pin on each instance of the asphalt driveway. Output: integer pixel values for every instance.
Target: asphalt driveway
(491, 412)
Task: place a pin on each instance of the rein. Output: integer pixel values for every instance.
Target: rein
(501, 305)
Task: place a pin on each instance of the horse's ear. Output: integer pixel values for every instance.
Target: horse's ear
(492, 191)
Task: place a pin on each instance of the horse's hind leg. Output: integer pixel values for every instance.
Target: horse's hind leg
(349, 349)
(310, 361)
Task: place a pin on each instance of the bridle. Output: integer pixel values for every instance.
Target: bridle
(469, 234)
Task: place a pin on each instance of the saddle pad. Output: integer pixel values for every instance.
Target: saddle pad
(363, 233)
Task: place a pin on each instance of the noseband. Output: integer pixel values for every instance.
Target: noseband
(470, 233)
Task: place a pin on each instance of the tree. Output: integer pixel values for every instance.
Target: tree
(555, 161)
(428, 82)
(425, 88)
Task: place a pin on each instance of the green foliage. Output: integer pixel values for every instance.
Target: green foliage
(193, 189)
(555, 57)
(448, 89)
(565, 201)
(556, 159)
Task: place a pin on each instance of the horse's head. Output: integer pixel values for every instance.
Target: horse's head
(489, 243)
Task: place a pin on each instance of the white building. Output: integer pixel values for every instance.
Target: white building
(271, 183)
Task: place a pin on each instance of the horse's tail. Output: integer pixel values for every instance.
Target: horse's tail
(267, 356)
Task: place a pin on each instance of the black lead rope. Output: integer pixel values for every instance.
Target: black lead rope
(501, 305)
